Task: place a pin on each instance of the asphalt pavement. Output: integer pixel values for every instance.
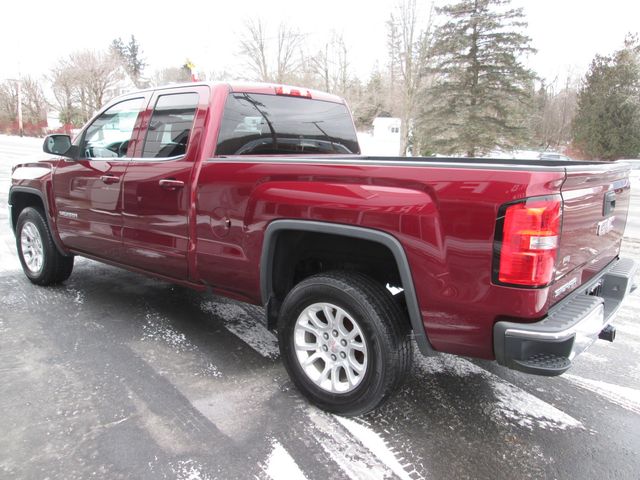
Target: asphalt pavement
(115, 375)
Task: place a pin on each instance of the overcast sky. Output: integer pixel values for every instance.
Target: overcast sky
(567, 33)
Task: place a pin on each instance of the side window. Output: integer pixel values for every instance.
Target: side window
(170, 125)
(109, 135)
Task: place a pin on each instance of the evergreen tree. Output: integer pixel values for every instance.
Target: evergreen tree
(483, 92)
(135, 61)
(131, 57)
(371, 102)
(607, 124)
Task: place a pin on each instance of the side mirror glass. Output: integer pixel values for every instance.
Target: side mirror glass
(58, 144)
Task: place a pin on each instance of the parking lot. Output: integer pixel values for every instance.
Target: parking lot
(115, 375)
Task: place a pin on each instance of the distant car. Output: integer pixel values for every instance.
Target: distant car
(553, 156)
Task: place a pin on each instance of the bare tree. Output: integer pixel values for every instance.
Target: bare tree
(253, 46)
(8, 101)
(556, 108)
(83, 82)
(97, 73)
(64, 86)
(271, 58)
(409, 41)
(34, 103)
(289, 41)
(332, 66)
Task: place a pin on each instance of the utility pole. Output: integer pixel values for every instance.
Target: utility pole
(20, 126)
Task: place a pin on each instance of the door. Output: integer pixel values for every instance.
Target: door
(88, 191)
(157, 184)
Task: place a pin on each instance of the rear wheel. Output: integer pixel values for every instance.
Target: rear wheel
(40, 259)
(344, 341)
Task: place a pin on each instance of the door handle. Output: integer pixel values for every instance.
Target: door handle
(609, 202)
(109, 179)
(171, 184)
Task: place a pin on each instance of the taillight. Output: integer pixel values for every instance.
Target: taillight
(527, 235)
(293, 92)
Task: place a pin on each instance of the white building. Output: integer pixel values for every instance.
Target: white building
(384, 140)
(122, 86)
(53, 120)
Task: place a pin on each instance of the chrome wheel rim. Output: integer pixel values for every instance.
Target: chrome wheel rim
(330, 347)
(32, 251)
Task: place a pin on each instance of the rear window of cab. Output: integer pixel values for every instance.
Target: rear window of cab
(260, 124)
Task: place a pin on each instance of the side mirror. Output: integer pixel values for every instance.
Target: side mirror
(59, 144)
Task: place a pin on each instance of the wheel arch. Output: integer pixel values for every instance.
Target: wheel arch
(21, 197)
(276, 228)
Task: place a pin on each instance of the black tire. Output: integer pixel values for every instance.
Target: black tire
(55, 267)
(385, 330)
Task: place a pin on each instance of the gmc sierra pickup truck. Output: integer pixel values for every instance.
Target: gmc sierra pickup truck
(259, 193)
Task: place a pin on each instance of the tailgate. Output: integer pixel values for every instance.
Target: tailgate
(596, 201)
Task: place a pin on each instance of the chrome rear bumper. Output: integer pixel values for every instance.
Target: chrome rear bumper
(549, 346)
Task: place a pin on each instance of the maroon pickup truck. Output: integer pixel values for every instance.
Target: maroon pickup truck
(259, 193)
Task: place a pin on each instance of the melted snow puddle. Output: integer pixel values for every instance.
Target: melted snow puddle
(159, 329)
(626, 397)
(245, 326)
(280, 464)
(511, 403)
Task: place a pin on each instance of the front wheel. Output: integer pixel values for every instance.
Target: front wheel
(344, 341)
(40, 259)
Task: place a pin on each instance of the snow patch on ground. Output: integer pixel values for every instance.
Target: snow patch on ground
(626, 397)
(626, 320)
(448, 364)
(527, 410)
(245, 326)
(593, 357)
(374, 443)
(281, 466)
(210, 371)
(13, 295)
(511, 403)
(189, 470)
(8, 256)
(353, 458)
(78, 296)
(159, 329)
